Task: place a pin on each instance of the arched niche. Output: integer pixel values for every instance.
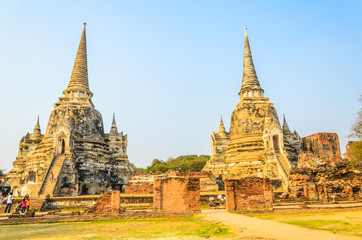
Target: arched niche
(61, 143)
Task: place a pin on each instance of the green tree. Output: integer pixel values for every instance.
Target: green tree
(354, 152)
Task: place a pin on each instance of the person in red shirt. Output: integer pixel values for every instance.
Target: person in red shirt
(23, 205)
(52, 176)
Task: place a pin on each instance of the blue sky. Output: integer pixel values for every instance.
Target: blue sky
(168, 69)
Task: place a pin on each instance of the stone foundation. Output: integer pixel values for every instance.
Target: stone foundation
(248, 194)
(177, 194)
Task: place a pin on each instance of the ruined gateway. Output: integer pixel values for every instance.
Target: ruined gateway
(83, 159)
(256, 145)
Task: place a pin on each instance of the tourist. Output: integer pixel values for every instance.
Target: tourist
(28, 204)
(1, 198)
(9, 202)
(23, 205)
(52, 176)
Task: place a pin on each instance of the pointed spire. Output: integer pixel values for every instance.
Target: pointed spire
(285, 125)
(37, 125)
(36, 132)
(250, 79)
(221, 127)
(114, 120)
(79, 79)
(114, 130)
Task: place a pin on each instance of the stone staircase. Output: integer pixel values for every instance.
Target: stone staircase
(48, 186)
(284, 165)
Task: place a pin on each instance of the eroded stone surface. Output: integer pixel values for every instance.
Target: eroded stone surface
(321, 173)
(84, 160)
(256, 147)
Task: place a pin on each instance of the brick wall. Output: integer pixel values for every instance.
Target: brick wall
(248, 194)
(323, 145)
(108, 202)
(142, 188)
(177, 194)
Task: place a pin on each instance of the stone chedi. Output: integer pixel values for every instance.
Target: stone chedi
(83, 159)
(256, 147)
(219, 142)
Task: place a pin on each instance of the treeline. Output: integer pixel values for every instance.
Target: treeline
(187, 163)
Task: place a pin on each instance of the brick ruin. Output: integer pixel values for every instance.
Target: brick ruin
(249, 194)
(108, 202)
(142, 183)
(177, 194)
(322, 174)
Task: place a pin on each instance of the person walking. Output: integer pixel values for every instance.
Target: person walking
(52, 176)
(28, 204)
(1, 198)
(9, 202)
(23, 205)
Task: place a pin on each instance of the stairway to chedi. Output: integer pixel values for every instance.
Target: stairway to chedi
(48, 185)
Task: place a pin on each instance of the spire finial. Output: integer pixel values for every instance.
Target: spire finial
(36, 132)
(114, 130)
(114, 120)
(250, 79)
(221, 127)
(37, 123)
(79, 79)
(285, 125)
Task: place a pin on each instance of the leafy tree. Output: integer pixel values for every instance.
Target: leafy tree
(187, 163)
(137, 169)
(354, 152)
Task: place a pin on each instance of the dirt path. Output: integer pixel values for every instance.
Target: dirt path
(249, 227)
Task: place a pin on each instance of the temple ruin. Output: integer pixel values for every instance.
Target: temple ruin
(255, 146)
(74, 148)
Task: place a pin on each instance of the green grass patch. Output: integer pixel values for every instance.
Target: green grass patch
(337, 226)
(287, 215)
(194, 227)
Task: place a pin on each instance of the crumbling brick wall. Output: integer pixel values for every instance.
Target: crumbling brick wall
(248, 194)
(141, 183)
(177, 194)
(321, 173)
(108, 202)
(334, 180)
(323, 145)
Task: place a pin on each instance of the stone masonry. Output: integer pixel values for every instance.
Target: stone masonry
(83, 159)
(322, 174)
(256, 147)
(219, 142)
(177, 194)
(248, 194)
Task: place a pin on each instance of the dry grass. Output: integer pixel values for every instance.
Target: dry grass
(339, 222)
(164, 228)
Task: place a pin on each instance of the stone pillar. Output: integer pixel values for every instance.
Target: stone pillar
(249, 194)
(177, 194)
